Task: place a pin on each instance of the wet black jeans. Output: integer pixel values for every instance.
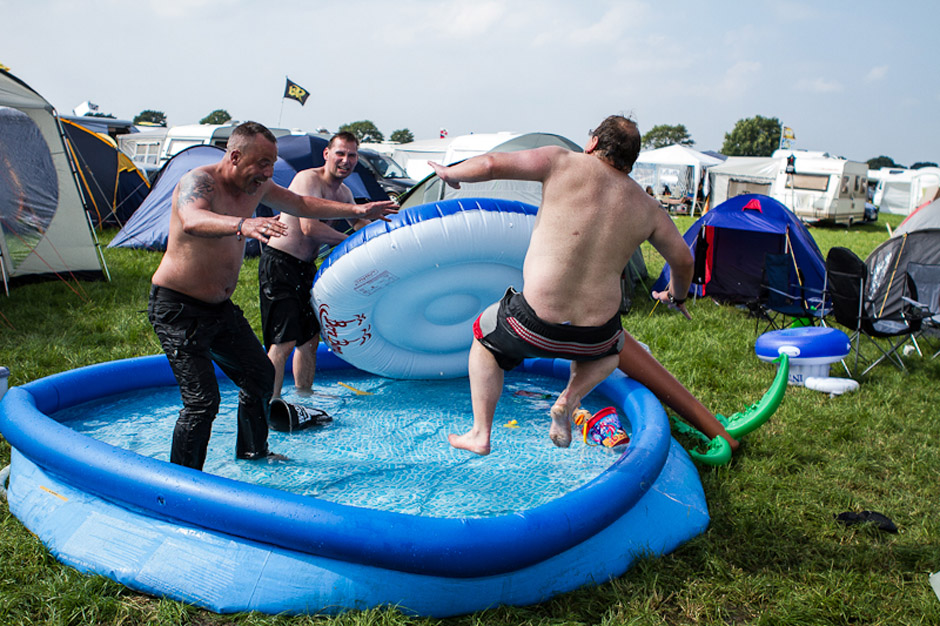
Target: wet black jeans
(193, 335)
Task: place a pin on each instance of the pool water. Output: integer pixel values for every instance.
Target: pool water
(385, 449)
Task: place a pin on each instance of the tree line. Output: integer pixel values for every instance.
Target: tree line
(364, 130)
(754, 136)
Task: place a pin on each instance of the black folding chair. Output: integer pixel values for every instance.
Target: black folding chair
(846, 287)
(921, 301)
(783, 299)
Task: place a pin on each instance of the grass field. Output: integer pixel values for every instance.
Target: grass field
(773, 553)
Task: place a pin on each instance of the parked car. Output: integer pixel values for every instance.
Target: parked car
(871, 212)
(389, 174)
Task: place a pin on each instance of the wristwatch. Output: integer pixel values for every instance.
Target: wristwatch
(675, 300)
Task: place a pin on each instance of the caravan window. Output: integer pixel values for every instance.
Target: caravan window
(845, 185)
(809, 182)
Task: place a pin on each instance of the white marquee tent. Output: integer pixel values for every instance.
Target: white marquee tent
(680, 168)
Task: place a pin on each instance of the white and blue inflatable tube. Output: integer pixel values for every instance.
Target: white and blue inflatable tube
(232, 546)
(398, 298)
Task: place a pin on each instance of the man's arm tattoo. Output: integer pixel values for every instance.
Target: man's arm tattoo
(195, 187)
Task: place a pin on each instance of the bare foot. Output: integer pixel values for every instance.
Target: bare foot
(469, 443)
(560, 432)
(303, 393)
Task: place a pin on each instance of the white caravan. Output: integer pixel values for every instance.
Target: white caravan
(819, 187)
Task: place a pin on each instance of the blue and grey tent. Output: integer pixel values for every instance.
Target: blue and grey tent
(729, 244)
(113, 185)
(149, 226)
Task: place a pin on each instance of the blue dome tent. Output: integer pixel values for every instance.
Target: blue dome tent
(729, 244)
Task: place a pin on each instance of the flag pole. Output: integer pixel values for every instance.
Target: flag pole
(281, 114)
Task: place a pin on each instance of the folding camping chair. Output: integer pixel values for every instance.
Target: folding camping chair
(922, 301)
(783, 298)
(846, 286)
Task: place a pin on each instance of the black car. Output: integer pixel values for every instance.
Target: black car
(389, 174)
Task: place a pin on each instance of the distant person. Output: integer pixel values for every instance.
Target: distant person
(649, 191)
(288, 265)
(190, 306)
(592, 218)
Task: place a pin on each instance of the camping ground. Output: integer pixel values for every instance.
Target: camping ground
(773, 553)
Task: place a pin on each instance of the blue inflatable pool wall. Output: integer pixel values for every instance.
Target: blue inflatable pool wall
(229, 546)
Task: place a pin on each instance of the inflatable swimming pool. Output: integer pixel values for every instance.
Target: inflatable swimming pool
(232, 546)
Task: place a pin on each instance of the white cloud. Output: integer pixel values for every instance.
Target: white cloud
(736, 80)
(819, 85)
(876, 73)
(608, 29)
(464, 19)
(793, 11)
(188, 8)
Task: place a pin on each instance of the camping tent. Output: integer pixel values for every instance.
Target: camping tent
(149, 226)
(679, 167)
(729, 244)
(414, 156)
(902, 190)
(431, 189)
(741, 175)
(917, 240)
(43, 227)
(113, 185)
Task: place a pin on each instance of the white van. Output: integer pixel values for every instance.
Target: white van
(819, 187)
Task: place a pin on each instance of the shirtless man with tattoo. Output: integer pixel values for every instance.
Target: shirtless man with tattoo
(190, 306)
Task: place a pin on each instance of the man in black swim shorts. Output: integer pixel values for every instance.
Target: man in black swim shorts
(288, 267)
(591, 219)
(512, 331)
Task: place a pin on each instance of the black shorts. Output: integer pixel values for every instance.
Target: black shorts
(286, 311)
(512, 331)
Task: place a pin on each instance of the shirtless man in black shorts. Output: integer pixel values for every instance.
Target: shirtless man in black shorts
(593, 216)
(288, 266)
(190, 306)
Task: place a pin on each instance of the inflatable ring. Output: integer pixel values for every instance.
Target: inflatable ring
(398, 298)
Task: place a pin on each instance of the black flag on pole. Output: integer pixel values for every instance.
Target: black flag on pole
(296, 92)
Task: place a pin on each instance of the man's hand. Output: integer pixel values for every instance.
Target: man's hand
(263, 228)
(441, 172)
(378, 210)
(663, 296)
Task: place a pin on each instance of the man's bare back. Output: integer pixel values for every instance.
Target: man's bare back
(591, 220)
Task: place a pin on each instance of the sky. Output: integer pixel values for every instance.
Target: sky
(856, 79)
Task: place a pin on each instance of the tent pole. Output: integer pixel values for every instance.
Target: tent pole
(3, 270)
(98, 248)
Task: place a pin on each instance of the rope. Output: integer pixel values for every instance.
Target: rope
(897, 262)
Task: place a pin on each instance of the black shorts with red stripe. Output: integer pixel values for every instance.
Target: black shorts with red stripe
(512, 331)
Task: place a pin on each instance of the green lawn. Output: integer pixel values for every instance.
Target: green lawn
(773, 553)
